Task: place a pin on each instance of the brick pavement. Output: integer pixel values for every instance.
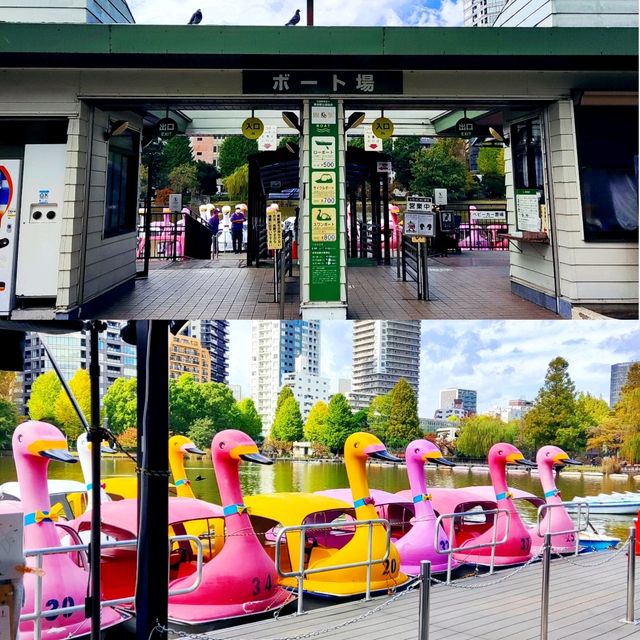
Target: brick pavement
(468, 286)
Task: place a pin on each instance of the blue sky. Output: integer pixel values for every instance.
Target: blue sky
(278, 12)
(502, 360)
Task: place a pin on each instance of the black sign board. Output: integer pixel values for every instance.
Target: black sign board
(167, 128)
(466, 128)
(446, 220)
(322, 82)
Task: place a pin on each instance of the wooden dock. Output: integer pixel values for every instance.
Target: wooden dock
(586, 603)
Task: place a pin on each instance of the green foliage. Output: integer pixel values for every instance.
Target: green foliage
(491, 160)
(8, 422)
(234, 152)
(378, 416)
(626, 415)
(128, 439)
(8, 384)
(360, 420)
(201, 432)
(177, 151)
(237, 183)
(285, 393)
(183, 178)
(287, 424)
(553, 418)
(207, 177)
(355, 142)
(120, 405)
(250, 420)
(339, 425)
(492, 186)
(316, 420)
(479, 433)
(282, 142)
(66, 417)
(404, 423)
(44, 393)
(402, 155)
(153, 160)
(440, 167)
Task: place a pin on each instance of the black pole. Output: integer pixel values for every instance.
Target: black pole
(310, 13)
(147, 222)
(95, 438)
(153, 552)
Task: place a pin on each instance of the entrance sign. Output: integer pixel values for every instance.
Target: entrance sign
(440, 196)
(419, 224)
(419, 204)
(167, 128)
(252, 128)
(466, 128)
(382, 128)
(175, 202)
(324, 247)
(287, 82)
(371, 143)
(274, 228)
(527, 210)
(268, 141)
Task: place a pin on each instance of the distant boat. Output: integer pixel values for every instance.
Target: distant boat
(615, 504)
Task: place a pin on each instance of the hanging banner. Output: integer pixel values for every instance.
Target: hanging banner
(324, 247)
(371, 142)
(274, 228)
(268, 141)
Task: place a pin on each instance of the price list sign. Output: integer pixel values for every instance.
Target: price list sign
(274, 229)
(324, 248)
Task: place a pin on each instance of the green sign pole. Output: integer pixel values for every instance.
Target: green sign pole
(324, 249)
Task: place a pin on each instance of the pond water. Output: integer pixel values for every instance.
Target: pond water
(314, 476)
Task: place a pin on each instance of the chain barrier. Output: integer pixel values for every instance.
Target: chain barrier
(411, 586)
(493, 582)
(608, 558)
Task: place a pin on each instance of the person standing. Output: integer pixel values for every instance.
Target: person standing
(214, 227)
(237, 226)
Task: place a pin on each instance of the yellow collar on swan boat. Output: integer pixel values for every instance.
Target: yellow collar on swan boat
(53, 515)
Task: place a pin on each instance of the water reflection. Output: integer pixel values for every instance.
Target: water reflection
(314, 476)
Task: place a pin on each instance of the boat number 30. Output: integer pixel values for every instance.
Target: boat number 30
(257, 587)
(54, 604)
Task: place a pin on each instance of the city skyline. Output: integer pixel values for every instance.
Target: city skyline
(503, 361)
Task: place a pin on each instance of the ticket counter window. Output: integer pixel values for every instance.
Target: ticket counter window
(527, 155)
(607, 139)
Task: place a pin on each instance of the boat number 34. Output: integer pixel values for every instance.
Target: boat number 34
(257, 586)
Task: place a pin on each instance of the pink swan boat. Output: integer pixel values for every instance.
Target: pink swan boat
(241, 579)
(474, 531)
(64, 583)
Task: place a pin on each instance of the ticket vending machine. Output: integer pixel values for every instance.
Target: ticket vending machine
(9, 199)
(40, 222)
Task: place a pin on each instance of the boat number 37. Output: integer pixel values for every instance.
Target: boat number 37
(525, 544)
(54, 604)
(257, 586)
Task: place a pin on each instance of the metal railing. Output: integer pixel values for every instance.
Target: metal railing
(450, 550)
(39, 554)
(302, 571)
(581, 506)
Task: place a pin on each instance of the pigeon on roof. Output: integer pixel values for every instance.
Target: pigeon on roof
(196, 18)
(294, 20)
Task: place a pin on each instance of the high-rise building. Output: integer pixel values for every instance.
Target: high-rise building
(619, 374)
(207, 148)
(280, 347)
(468, 397)
(71, 352)
(383, 352)
(307, 389)
(454, 409)
(213, 336)
(481, 13)
(187, 355)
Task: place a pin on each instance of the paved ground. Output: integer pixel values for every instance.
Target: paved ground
(473, 285)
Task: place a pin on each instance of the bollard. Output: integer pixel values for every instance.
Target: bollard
(631, 578)
(546, 567)
(425, 589)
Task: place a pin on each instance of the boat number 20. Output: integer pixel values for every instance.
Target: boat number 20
(257, 587)
(54, 604)
(390, 567)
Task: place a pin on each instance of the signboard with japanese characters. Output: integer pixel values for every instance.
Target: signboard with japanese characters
(419, 224)
(167, 128)
(274, 228)
(287, 82)
(447, 222)
(527, 210)
(268, 141)
(419, 204)
(324, 246)
(252, 128)
(465, 128)
(382, 128)
(488, 215)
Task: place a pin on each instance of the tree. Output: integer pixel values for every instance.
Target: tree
(121, 405)
(284, 140)
(479, 433)
(339, 423)
(491, 160)
(207, 177)
(237, 183)
(402, 155)
(438, 167)
(8, 384)
(183, 178)
(201, 432)
(378, 416)
(128, 439)
(66, 416)
(234, 152)
(492, 186)
(360, 420)
(186, 403)
(177, 151)
(285, 393)
(153, 160)
(316, 420)
(287, 424)
(219, 405)
(404, 423)
(553, 418)
(44, 392)
(250, 420)
(8, 422)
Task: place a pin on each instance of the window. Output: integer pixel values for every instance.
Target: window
(122, 184)
(607, 140)
(198, 153)
(527, 156)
